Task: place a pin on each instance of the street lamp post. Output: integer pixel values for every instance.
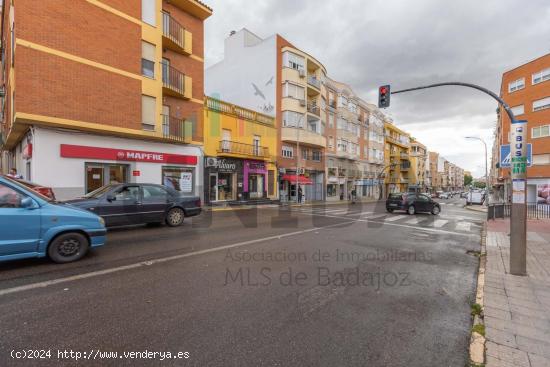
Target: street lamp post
(298, 159)
(486, 171)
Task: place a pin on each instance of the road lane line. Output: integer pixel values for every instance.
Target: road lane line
(93, 274)
(376, 216)
(440, 223)
(394, 218)
(463, 226)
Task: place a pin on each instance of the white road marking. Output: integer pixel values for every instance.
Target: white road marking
(376, 216)
(393, 218)
(92, 274)
(463, 226)
(416, 220)
(440, 223)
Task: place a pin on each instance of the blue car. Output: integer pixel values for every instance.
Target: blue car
(32, 225)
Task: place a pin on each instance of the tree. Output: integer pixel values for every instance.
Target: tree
(468, 180)
(479, 185)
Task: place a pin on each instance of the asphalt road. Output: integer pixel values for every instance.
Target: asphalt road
(341, 285)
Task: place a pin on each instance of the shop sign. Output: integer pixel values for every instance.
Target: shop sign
(80, 151)
(186, 182)
(136, 173)
(225, 165)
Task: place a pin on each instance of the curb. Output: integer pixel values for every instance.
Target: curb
(480, 210)
(477, 339)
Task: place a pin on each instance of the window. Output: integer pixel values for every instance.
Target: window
(9, 198)
(541, 104)
(342, 101)
(330, 142)
(256, 145)
(331, 120)
(305, 153)
(294, 91)
(148, 107)
(516, 85)
(541, 76)
(127, 193)
(331, 190)
(293, 61)
(178, 178)
(147, 59)
(314, 126)
(540, 131)
(288, 152)
(518, 110)
(316, 156)
(148, 12)
(293, 119)
(154, 192)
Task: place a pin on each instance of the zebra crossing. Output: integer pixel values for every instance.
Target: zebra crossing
(459, 223)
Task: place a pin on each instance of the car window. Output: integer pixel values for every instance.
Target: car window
(411, 197)
(154, 192)
(127, 193)
(98, 192)
(9, 198)
(423, 198)
(398, 196)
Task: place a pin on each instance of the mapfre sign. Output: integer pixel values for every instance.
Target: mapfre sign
(81, 151)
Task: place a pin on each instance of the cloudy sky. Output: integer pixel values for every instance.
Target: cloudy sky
(367, 43)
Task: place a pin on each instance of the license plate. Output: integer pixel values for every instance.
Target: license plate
(393, 204)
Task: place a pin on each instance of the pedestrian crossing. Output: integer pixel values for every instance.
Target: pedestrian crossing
(444, 221)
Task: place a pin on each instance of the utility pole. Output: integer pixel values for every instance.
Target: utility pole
(518, 152)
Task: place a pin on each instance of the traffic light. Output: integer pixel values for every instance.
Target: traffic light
(384, 96)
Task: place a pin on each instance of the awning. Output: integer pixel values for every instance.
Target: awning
(302, 180)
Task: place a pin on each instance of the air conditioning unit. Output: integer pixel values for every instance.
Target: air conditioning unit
(302, 73)
(303, 102)
(211, 162)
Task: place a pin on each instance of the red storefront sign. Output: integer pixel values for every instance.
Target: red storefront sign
(136, 173)
(81, 151)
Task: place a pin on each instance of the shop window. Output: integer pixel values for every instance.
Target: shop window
(331, 190)
(178, 178)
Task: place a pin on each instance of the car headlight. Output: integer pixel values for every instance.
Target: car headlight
(102, 221)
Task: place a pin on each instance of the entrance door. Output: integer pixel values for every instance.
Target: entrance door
(166, 120)
(94, 177)
(213, 187)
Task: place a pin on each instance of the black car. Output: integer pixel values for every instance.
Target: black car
(126, 204)
(412, 203)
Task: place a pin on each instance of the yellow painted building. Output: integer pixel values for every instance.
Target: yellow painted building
(417, 171)
(396, 152)
(240, 148)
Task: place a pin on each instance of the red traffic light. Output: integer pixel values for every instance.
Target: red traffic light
(383, 90)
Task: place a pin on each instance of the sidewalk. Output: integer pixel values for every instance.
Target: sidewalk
(291, 204)
(517, 309)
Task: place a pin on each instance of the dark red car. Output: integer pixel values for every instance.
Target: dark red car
(46, 191)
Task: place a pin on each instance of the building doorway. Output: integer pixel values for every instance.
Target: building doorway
(99, 174)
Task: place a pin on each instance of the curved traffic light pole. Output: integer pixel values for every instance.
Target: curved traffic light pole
(518, 217)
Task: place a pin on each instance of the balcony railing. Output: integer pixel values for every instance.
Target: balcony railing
(174, 32)
(332, 171)
(173, 80)
(313, 81)
(173, 128)
(233, 147)
(233, 110)
(397, 141)
(313, 108)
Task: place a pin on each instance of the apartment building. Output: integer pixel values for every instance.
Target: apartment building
(526, 89)
(240, 147)
(417, 171)
(103, 91)
(348, 134)
(272, 76)
(397, 149)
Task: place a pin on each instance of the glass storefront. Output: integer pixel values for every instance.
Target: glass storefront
(179, 178)
(225, 186)
(98, 174)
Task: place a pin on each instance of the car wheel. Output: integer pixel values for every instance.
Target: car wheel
(174, 217)
(411, 210)
(68, 247)
(389, 210)
(436, 210)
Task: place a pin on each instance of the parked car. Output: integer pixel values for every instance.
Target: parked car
(475, 197)
(438, 193)
(464, 195)
(33, 225)
(128, 204)
(44, 190)
(444, 195)
(412, 203)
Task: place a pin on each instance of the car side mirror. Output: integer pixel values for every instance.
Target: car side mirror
(111, 197)
(26, 203)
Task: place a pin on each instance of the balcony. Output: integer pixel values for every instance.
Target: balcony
(397, 142)
(175, 83)
(234, 148)
(404, 156)
(175, 37)
(292, 135)
(333, 172)
(313, 81)
(237, 111)
(174, 129)
(314, 109)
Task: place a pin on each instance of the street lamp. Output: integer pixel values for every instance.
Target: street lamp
(486, 171)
